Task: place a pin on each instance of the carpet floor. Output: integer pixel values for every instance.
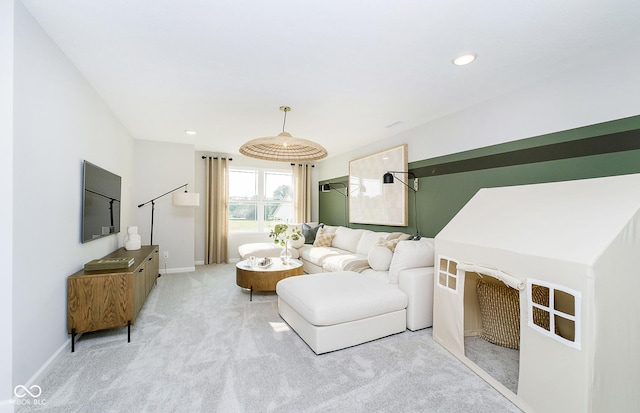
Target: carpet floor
(200, 345)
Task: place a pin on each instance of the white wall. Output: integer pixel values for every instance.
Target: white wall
(598, 89)
(6, 208)
(59, 120)
(159, 168)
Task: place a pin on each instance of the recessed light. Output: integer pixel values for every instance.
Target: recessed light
(190, 132)
(465, 59)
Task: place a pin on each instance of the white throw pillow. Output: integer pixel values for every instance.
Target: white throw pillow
(380, 258)
(347, 239)
(368, 240)
(411, 254)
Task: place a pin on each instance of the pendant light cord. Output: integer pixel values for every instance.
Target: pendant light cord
(285, 119)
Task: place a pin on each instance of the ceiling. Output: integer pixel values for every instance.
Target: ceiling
(353, 72)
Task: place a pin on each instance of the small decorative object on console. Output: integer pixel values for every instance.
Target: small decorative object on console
(133, 241)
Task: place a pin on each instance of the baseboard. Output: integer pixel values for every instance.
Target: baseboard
(7, 406)
(49, 363)
(176, 270)
(199, 262)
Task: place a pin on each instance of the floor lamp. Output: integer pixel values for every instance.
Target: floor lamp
(179, 199)
(388, 179)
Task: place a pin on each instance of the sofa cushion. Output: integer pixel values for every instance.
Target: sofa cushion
(329, 299)
(316, 255)
(309, 232)
(347, 239)
(379, 258)
(345, 262)
(411, 254)
(368, 240)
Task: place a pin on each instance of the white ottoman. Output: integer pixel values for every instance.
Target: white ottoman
(263, 249)
(331, 311)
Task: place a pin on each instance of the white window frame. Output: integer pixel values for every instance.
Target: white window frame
(261, 199)
(450, 275)
(553, 312)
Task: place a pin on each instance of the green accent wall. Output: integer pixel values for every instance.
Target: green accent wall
(443, 194)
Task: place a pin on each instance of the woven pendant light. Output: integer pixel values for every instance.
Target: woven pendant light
(284, 147)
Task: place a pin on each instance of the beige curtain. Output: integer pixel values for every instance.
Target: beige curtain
(302, 190)
(217, 206)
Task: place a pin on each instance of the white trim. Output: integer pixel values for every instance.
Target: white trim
(44, 368)
(7, 406)
(177, 270)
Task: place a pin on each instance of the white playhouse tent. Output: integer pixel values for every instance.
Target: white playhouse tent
(570, 254)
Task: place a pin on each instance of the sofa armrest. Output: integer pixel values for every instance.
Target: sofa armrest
(417, 283)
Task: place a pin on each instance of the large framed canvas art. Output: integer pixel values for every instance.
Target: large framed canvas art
(371, 201)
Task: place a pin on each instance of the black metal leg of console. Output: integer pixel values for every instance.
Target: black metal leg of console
(129, 331)
(73, 340)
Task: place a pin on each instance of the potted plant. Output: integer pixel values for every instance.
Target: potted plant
(281, 236)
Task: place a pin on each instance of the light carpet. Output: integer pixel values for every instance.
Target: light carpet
(199, 345)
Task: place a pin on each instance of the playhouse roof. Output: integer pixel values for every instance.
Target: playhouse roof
(548, 220)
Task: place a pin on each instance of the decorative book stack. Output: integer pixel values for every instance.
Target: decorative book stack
(109, 263)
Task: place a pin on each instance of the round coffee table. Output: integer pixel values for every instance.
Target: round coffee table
(259, 278)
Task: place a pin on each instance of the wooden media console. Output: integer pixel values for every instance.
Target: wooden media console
(102, 299)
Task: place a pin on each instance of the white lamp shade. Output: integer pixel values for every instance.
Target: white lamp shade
(185, 199)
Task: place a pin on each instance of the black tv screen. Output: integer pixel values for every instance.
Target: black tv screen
(100, 202)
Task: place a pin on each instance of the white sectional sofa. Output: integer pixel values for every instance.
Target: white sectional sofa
(361, 286)
(359, 290)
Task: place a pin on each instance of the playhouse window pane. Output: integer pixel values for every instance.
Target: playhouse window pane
(564, 302)
(444, 264)
(540, 295)
(565, 328)
(540, 318)
(453, 267)
(452, 283)
(443, 279)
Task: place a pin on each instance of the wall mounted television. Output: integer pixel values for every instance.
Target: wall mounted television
(100, 202)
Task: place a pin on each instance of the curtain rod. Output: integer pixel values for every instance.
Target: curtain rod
(215, 157)
(301, 164)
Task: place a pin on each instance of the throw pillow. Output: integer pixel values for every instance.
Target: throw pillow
(398, 235)
(500, 313)
(323, 239)
(309, 232)
(379, 258)
(389, 243)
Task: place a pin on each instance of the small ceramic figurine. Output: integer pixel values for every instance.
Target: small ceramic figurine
(133, 241)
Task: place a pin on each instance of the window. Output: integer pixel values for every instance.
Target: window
(259, 199)
(448, 274)
(553, 311)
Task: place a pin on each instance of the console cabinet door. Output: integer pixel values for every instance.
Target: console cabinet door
(99, 302)
(140, 288)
